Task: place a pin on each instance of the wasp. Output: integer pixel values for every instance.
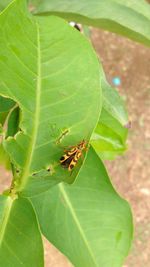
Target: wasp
(72, 155)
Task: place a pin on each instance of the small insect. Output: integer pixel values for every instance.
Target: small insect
(72, 155)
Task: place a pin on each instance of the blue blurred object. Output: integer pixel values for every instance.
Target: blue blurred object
(116, 81)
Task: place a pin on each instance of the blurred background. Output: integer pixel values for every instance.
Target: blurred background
(130, 63)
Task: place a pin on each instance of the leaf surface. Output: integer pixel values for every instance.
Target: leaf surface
(5, 104)
(4, 158)
(47, 62)
(110, 136)
(4, 3)
(125, 17)
(20, 238)
(88, 221)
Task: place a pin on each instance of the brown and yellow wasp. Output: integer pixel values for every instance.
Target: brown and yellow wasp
(72, 155)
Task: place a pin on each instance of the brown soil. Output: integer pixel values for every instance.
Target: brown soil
(130, 173)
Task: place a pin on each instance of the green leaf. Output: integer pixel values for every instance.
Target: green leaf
(4, 3)
(20, 238)
(13, 122)
(125, 17)
(4, 158)
(110, 136)
(3, 116)
(10, 118)
(87, 221)
(47, 62)
(113, 103)
(6, 104)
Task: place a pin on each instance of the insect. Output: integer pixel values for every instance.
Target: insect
(72, 155)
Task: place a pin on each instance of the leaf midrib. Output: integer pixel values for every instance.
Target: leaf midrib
(72, 211)
(26, 172)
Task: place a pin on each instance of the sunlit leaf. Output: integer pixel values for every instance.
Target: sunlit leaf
(125, 17)
(88, 221)
(4, 3)
(47, 62)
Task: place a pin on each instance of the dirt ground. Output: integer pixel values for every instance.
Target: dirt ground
(130, 173)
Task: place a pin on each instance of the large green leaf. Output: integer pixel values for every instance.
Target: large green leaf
(54, 78)
(126, 17)
(109, 138)
(20, 238)
(88, 221)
